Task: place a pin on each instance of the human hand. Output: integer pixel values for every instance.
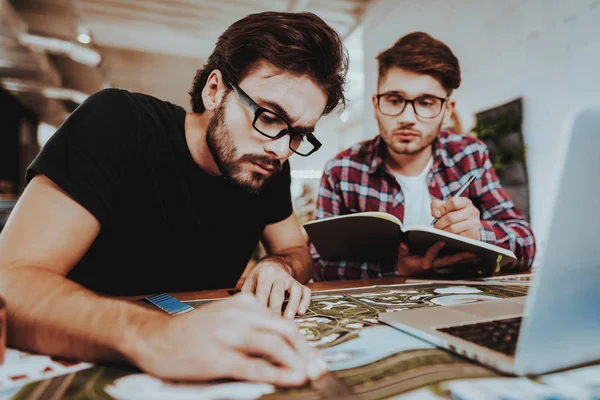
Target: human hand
(236, 338)
(457, 215)
(270, 280)
(414, 264)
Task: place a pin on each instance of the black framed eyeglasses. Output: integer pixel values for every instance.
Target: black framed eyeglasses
(274, 126)
(426, 106)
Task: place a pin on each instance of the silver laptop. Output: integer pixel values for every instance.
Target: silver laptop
(557, 325)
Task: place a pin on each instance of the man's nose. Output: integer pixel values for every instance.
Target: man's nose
(279, 147)
(408, 114)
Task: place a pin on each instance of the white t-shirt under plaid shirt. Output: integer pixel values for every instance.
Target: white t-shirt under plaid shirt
(417, 200)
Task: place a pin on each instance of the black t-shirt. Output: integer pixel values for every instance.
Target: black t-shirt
(166, 225)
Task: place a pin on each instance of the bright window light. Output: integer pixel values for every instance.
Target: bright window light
(45, 131)
(345, 116)
(307, 173)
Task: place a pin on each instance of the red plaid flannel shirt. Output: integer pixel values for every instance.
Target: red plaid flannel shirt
(358, 180)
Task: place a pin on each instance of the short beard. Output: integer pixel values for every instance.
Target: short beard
(223, 150)
(428, 141)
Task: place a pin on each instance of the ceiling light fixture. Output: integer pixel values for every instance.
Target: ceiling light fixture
(50, 92)
(58, 93)
(84, 38)
(81, 54)
(84, 35)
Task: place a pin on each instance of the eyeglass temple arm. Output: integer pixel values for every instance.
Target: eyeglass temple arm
(241, 94)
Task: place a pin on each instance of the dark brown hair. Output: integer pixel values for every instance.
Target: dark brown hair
(295, 42)
(419, 52)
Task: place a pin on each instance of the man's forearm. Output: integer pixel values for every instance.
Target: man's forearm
(297, 259)
(49, 314)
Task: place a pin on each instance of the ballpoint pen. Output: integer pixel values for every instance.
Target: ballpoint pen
(460, 191)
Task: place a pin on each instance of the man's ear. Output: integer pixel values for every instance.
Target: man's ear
(214, 90)
(450, 105)
(374, 101)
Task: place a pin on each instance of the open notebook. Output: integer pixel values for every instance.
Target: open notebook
(376, 236)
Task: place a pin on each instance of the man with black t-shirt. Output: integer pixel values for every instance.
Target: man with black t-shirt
(133, 195)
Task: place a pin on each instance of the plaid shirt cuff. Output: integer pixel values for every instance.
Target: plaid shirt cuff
(487, 233)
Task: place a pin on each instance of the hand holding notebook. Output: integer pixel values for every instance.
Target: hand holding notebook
(376, 236)
(433, 261)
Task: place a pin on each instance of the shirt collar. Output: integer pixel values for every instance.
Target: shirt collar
(375, 160)
(439, 150)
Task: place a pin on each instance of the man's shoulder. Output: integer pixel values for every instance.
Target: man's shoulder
(118, 115)
(111, 102)
(108, 97)
(135, 100)
(110, 92)
(458, 145)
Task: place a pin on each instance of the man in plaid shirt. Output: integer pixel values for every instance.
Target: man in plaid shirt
(413, 168)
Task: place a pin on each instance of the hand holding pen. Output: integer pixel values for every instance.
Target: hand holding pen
(458, 214)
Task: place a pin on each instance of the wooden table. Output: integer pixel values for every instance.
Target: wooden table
(314, 286)
(461, 369)
(437, 365)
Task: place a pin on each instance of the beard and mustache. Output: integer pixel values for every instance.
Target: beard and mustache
(223, 149)
(410, 148)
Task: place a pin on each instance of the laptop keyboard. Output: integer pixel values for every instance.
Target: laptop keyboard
(500, 335)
